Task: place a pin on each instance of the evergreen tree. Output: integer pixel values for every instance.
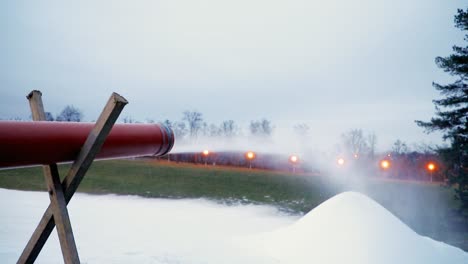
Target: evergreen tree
(452, 115)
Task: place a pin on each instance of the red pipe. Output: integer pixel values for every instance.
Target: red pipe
(35, 143)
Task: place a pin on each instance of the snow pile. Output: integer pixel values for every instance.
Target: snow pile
(351, 228)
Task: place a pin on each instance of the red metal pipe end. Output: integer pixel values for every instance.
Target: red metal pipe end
(35, 143)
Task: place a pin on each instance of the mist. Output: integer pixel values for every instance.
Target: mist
(362, 174)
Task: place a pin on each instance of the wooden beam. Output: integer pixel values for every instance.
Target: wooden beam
(35, 103)
(54, 187)
(60, 214)
(93, 144)
(76, 173)
(38, 238)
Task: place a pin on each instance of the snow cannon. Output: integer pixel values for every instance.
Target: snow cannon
(39, 143)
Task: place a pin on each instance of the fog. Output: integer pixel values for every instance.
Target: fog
(348, 228)
(285, 142)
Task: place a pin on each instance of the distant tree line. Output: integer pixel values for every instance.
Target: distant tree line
(358, 144)
(193, 125)
(69, 114)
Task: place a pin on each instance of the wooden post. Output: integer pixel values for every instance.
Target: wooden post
(61, 193)
(54, 188)
(35, 103)
(60, 214)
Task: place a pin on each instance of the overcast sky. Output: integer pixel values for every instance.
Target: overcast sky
(334, 64)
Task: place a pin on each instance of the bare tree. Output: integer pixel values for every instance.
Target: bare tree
(355, 142)
(179, 128)
(215, 131)
(70, 114)
(205, 130)
(372, 143)
(399, 147)
(261, 128)
(194, 120)
(302, 130)
(228, 128)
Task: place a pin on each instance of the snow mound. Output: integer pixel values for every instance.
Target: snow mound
(352, 228)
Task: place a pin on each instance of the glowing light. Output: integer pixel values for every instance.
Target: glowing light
(341, 161)
(206, 152)
(356, 156)
(385, 164)
(431, 166)
(250, 155)
(293, 159)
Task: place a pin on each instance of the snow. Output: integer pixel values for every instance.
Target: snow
(352, 228)
(130, 229)
(349, 228)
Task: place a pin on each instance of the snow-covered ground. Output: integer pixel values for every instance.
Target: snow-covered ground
(349, 228)
(129, 229)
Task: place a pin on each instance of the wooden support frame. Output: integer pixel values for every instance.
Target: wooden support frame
(60, 193)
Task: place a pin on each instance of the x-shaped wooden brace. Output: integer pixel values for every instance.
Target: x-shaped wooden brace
(60, 193)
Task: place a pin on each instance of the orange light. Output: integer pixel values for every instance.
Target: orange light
(431, 166)
(293, 159)
(250, 155)
(385, 164)
(341, 161)
(206, 152)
